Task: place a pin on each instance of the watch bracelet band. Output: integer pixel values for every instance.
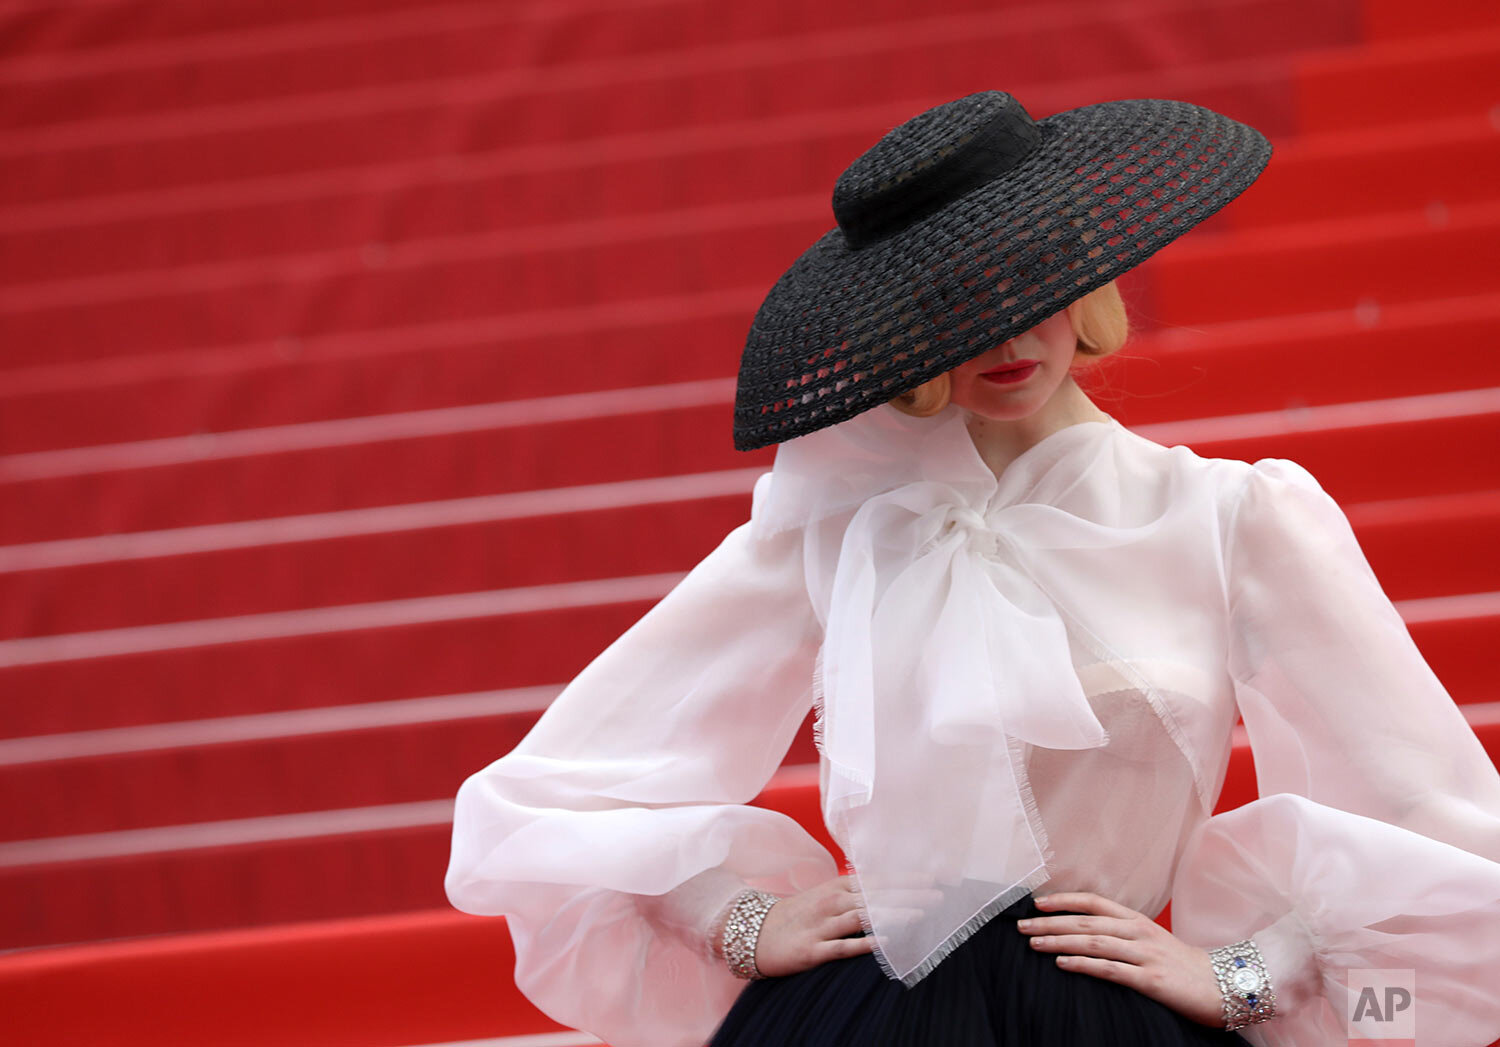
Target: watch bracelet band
(1245, 984)
(741, 931)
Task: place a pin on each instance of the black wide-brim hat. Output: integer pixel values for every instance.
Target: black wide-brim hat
(966, 226)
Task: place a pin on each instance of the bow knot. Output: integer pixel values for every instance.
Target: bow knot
(959, 650)
(980, 537)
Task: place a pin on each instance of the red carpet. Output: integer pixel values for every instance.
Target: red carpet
(366, 368)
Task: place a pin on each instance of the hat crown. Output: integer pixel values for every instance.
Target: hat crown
(931, 160)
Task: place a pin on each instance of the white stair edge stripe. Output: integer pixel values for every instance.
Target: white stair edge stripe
(227, 833)
(290, 723)
(370, 429)
(383, 614)
(383, 519)
(1326, 417)
(1446, 608)
(268, 829)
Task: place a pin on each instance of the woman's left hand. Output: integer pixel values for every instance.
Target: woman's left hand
(1121, 945)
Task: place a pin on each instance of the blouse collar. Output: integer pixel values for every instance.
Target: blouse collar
(841, 466)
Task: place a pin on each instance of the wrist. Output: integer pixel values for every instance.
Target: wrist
(735, 933)
(1244, 983)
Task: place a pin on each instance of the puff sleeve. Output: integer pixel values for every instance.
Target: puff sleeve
(614, 833)
(1375, 840)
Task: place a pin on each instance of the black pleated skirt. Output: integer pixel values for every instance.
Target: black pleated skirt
(994, 990)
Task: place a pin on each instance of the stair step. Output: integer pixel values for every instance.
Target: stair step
(383, 461)
(1427, 166)
(1399, 81)
(405, 761)
(688, 338)
(49, 31)
(567, 535)
(1340, 264)
(1389, 20)
(432, 976)
(398, 47)
(368, 860)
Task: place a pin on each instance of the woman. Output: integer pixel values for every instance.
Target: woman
(1026, 632)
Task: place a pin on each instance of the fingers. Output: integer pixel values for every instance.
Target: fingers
(1074, 924)
(1086, 901)
(1127, 974)
(843, 925)
(838, 904)
(842, 948)
(1099, 946)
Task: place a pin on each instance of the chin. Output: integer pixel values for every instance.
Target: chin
(997, 402)
(1009, 413)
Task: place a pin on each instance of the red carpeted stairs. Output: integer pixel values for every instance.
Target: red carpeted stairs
(366, 368)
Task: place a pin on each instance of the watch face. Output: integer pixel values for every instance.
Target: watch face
(1245, 980)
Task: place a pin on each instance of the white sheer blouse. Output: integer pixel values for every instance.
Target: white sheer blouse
(1027, 682)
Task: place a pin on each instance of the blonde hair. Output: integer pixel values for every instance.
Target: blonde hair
(1099, 321)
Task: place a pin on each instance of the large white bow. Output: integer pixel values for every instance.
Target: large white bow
(942, 658)
(960, 624)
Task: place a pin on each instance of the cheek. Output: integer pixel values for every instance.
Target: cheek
(1060, 336)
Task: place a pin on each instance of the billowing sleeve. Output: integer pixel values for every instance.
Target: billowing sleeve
(619, 826)
(1374, 843)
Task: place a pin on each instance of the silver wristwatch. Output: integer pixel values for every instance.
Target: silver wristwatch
(1245, 983)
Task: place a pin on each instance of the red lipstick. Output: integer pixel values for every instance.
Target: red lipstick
(1017, 371)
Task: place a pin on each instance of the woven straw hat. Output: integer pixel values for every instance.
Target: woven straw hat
(965, 226)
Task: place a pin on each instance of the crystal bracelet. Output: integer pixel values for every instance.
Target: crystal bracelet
(742, 931)
(1245, 983)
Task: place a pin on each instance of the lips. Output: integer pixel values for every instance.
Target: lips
(1011, 374)
(1003, 368)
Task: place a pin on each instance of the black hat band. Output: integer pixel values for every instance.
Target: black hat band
(977, 157)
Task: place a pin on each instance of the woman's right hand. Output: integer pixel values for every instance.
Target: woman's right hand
(807, 929)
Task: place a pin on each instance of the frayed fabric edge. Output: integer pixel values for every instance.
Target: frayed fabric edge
(1002, 901)
(860, 778)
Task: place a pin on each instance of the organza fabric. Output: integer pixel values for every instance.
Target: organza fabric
(1022, 683)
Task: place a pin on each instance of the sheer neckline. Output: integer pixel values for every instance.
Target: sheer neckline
(837, 468)
(1027, 458)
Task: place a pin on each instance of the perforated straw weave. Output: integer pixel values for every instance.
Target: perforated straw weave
(965, 226)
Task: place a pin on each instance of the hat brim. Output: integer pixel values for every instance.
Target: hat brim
(1107, 185)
